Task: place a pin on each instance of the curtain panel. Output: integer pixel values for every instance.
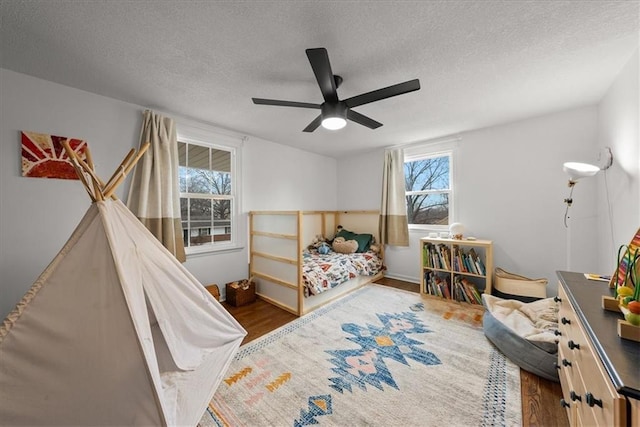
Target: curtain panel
(154, 195)
(394, 227)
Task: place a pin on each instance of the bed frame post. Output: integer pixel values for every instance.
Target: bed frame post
(250, 245)
(300, 280)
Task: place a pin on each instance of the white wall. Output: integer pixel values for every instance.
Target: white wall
(510, 189)
(278, 177)
(618, 129)
(38, 215)
(360, 181)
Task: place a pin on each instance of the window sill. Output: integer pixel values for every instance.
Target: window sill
(200, 252)
(427, 228)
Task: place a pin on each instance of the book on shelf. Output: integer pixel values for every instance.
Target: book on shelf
(445, 290)
(476, 294)
(461, 295)
(469, 263)
(467, 291)
(459, 261)
(436, 285)
(425, 256)
(443, 252)
(477, 263)
(431, 256)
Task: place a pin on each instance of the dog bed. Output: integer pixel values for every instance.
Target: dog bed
(524, 332)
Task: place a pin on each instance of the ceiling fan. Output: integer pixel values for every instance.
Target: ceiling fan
(334, 112)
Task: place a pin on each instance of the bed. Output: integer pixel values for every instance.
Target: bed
(298, 279)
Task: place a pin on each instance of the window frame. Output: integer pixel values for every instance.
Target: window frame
(204, 136)
(428, 151)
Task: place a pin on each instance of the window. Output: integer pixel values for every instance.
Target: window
(209, 192)
(428, 186)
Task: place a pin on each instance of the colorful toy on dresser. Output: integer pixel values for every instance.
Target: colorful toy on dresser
(626, 284)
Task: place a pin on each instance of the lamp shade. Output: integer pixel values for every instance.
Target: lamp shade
(577, 170)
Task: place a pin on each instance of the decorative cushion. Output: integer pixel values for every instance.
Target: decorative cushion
(364, 240)
(343, 246)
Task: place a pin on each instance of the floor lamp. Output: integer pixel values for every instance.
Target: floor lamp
(576, 171)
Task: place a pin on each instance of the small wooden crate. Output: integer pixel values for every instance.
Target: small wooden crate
(214, 291)
(241, 292)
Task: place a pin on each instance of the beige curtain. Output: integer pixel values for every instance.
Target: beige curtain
(394, 227)
(154, 196)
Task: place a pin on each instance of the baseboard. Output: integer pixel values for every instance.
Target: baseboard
(402, 277)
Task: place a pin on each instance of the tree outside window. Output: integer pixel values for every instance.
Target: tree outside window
(428, 189)
(206, 194)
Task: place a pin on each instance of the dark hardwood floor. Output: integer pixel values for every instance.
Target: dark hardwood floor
(540, 397)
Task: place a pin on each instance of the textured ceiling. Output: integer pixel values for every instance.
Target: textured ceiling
(480, 63)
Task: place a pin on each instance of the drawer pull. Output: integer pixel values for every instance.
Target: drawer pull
(557, 332)
(557, 299)
(565, 321)
(575, 396)
(565, 362)
(592, 401)
(564, 403)
(573, 346)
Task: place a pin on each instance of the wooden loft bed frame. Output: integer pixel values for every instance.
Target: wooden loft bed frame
(277, 241)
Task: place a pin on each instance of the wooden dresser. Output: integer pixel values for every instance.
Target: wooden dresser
(599, 371)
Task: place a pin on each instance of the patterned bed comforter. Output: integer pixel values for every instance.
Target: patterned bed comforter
(323, 272)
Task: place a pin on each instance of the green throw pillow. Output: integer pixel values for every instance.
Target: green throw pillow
(348, 235)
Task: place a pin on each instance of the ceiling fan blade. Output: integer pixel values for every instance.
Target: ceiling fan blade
(363, 120)
(276, 102)
(319, 60)
(313, 125)
(383, 93)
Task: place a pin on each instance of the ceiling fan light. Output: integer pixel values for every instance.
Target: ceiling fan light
(334, 116)
(333, 123)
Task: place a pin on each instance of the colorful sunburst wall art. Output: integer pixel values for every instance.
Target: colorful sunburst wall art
(43, 156)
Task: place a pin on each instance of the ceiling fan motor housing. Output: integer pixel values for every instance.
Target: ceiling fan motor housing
(338, 109)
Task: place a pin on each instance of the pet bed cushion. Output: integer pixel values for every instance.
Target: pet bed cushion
(524, 332)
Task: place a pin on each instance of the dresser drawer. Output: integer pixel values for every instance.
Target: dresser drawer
(635, 412)
(600, 401)
(566, 375)
(567, 320)
(586, 385)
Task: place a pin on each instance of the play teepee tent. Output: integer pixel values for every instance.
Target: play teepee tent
(115, 331)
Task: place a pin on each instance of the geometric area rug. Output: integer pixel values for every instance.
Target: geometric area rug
(377, 357)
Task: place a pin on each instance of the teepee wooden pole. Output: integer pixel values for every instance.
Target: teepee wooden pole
(95, 180)
(121, 166)
(87, 155)
(98, 185)
(111, 186)
(76, 166)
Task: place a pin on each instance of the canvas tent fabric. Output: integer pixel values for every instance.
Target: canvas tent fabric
(114, 332)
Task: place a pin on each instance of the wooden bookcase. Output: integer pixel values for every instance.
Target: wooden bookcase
(449, 267)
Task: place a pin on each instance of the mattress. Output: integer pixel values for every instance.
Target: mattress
(322, 272)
